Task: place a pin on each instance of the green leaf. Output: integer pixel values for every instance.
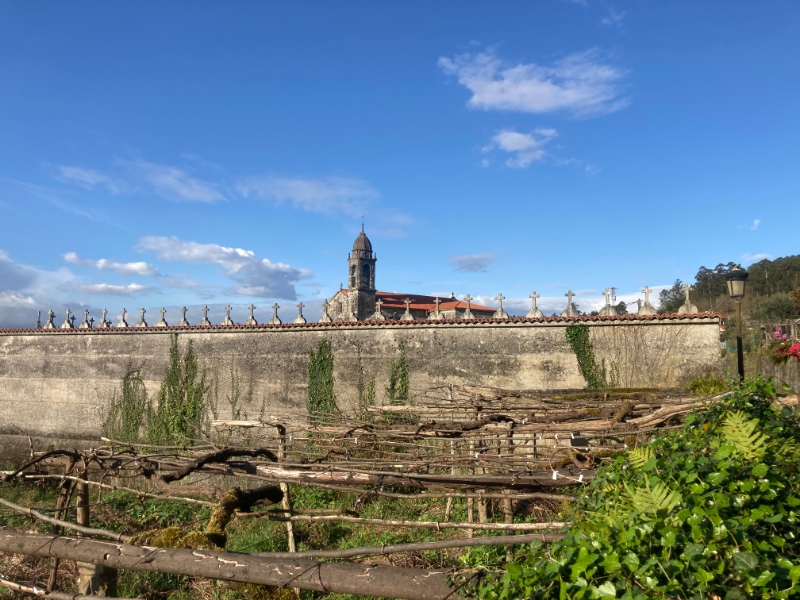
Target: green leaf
(703, 576)
(760, 470)
(611, 563)
(583, 561)
(607, 590)
(631, 561)
(744, 561)
(692, 550)
(763, 579)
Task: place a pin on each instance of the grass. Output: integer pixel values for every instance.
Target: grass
(126, 513)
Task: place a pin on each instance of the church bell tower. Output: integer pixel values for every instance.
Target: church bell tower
(361, 277)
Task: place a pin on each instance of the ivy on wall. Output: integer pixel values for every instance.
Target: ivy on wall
(321, 398)
(578, 338)
(397, 390)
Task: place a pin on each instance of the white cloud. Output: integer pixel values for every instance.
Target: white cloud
(752, 258)
(16, 300)
(327, 196)
(253, 276)
(613, 18)
(472, 262)
(579, 83)
(173, 183)
(90, 179)
(526, 146)
(131, 268)
(756, 223)
(112, 290)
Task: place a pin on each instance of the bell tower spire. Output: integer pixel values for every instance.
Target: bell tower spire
(361, 276)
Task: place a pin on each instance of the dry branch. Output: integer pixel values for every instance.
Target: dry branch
(494, 540)
(271, 516)
(37, 591)
(345, 578)
(90, 531)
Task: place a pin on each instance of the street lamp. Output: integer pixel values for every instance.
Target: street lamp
(736, 278)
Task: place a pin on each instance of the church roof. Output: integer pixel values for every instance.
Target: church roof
(397, 300)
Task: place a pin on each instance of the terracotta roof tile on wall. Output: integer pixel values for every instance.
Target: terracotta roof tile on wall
(420, 302)
(418, 323)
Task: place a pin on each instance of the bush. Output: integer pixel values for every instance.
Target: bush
(708, 511)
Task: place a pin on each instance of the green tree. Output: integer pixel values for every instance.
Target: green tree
(671, 299)
(775, 309)
(621, 308)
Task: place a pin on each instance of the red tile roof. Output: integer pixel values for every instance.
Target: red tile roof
(420, 302)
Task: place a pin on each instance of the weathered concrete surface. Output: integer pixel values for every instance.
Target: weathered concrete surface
(56, 384)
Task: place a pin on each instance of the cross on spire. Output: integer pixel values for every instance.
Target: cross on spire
(646, 291)
(275, 320)
(534, 312)
(183, 321)
(205, 320)
(227, 320)
(607, 294)
(300, 318)
(251, 319)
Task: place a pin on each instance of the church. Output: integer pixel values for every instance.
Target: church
(362, 302)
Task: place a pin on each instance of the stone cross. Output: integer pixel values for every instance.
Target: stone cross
(91, 322)
(38, 319)
(275, 320)
(686, 292)
(407, 316)
(534, 312)
(607, 294)
(103, 322)
(205, 320)
(500, 313)
(227, 320)
(142, 322)
(300, 318)
(85, 323)
(468, 312)
(646, 291)
(183, 321)
(163, 321)
(251, 320)
(67, 324)
(378, 304)
(122, 322)
(72, 321)
(569, 296)
(49, 324)
(341, 285)
(408, 304)
(436, 300)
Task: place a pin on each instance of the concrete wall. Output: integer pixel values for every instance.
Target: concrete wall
(56, 384)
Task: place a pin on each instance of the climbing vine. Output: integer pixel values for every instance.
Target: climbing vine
(397, 390)
(578, 338)
(181, 408)
(127, 408)
(321, 398)
(366, 388)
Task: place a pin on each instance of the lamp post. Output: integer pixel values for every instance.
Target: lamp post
(736, 278)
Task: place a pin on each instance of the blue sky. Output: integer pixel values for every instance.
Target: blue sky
(190, 153)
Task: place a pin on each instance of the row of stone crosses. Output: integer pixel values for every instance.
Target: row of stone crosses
(645, 308)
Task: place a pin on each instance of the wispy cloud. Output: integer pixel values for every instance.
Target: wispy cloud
(130, 268)
(752, 258)
(90, 179)
(756, 223)
(174, 183)
(580, 83)
(472, 262)
(112, 290)
(328, 196)
(253, 276)
(613, 17)
(526, 146)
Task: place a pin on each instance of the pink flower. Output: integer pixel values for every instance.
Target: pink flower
(794, 350)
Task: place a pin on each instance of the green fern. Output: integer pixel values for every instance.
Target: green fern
(741, 432)
(653, 499)
(639, 456)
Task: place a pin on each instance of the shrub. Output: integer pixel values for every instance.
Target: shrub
(707, 511)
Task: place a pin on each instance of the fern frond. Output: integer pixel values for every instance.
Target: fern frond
(741, 433)
(639, 456)
(649, 499)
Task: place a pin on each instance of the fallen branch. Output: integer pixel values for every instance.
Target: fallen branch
(271, 516)
(492, 540)
(90, 531)
(37, 591)
(334, 577)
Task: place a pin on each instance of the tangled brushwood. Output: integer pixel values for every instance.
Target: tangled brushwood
(706, 511)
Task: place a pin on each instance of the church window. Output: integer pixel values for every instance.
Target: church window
(366, 274)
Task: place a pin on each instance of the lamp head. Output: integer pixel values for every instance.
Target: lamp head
(736, 279)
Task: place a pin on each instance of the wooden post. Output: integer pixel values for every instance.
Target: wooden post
(286, 503)
(452, 472)
(471, 501)
(508, 505)
(93, 580)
